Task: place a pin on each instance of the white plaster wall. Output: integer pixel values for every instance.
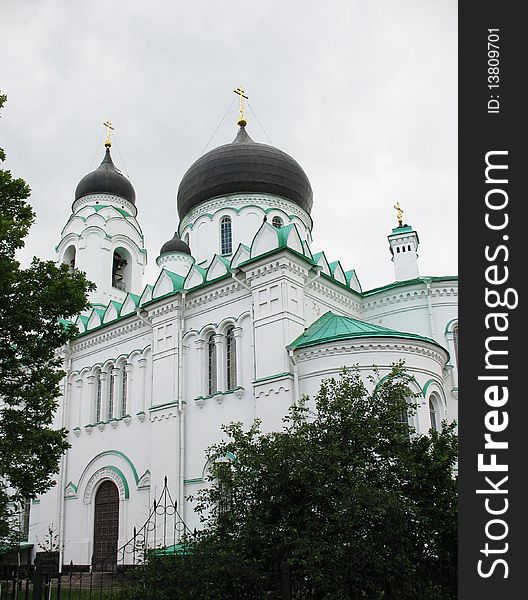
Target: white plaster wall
(265, 380)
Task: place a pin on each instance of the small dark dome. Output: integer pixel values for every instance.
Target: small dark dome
(175, 245)
(244, 166)
(106, 179)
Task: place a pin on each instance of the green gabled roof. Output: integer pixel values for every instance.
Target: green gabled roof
(283, 233)
(200, 269)
(226, 261)
(332, 327)
(99, 311)
(134, 297)
(177, 280)
(333, 266)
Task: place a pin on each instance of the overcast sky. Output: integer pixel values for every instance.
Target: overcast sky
(362, 93)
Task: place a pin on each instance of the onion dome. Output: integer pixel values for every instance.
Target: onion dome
(244, 166)
(176, 244)
(106, 179)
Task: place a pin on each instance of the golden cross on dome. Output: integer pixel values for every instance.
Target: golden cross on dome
(241, 120)
(108, 125)
(399, 213)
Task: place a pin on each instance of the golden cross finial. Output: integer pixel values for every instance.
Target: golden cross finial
(399, 213)
(108, 125)
(241, 120)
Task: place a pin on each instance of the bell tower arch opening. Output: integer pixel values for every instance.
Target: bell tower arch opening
(121, 270)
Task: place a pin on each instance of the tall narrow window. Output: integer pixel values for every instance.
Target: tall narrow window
(211, 365)
(111, 386)
(231, 359)
(455, 342)
(124, 383)
(277, 222)
(226, 239)
(98, 397)
(404, 418)
(433, 415)
(24, 519)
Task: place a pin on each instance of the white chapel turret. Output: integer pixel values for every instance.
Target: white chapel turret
(403, 244)
(102, 236)
(175, 256)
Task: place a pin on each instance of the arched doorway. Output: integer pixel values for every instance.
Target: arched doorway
(106, 526)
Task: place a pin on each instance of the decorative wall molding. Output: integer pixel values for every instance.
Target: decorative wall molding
(407, 296)
(239, 202)
(113, 474)
(105, 333)
(354, 347)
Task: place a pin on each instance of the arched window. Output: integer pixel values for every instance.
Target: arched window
(121, 270)
(455, 342)
(124, 383)
(277, 222)
(111, 393)
(98, 396)
(186, 239)
(433, 414)
(211, 365)
(226, 238)
(231, 359)
(69, 258)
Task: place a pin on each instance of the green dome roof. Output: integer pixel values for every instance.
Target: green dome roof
(331, 327)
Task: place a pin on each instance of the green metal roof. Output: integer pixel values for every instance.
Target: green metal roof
(331, 327)
(283, 233)
(177, 280)
(178, 549)
(410, 282)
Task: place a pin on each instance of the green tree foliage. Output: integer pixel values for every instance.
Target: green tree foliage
(345, 502)
(34, 303)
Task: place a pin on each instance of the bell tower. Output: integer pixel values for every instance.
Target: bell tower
(403, 244)
(102, 236)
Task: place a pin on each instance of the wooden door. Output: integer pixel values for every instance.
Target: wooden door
(106, 526)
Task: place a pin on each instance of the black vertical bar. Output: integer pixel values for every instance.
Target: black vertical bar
(492, 128)
(285, 581)
(133, 548)
(37, 583)
(70, 580)
(80, 582)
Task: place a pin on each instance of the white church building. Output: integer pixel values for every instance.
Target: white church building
(246, 316)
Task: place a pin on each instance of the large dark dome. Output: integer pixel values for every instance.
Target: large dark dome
(106, 179)
(244, 166)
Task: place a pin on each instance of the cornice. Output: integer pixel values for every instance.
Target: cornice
(106, 333)
(396, 298)
(352, 347)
